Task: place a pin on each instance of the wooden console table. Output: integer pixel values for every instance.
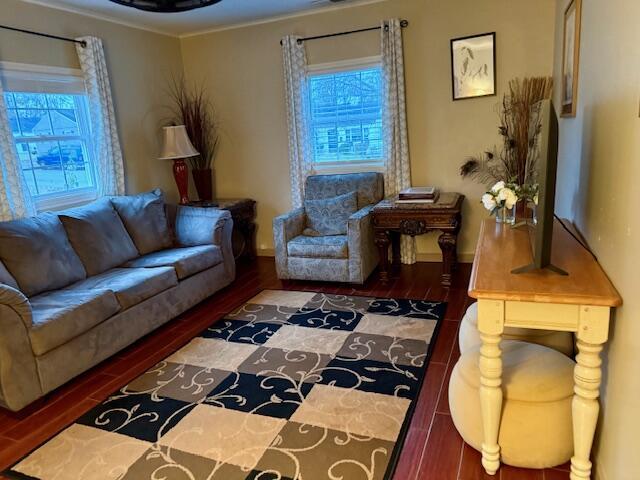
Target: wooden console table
(580, 303)
(243, 212)
(391, 219)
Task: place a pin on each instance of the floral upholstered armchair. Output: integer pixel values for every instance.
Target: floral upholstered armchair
(330, 238)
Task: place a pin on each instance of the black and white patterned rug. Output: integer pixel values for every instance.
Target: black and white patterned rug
(290, 386)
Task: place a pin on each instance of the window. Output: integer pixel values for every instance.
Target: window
(345, 113)
(48, 113)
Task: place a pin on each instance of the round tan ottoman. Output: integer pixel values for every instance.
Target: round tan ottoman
(469, 336)
(537, 385)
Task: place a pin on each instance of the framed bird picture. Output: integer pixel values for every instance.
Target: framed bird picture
(473, 66)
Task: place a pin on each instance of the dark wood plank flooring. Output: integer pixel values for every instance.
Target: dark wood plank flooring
(433, 449)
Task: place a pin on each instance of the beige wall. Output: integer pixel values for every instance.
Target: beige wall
(138, 62)
(243, 69)
(599, 166)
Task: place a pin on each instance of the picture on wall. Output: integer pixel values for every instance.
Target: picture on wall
(473, 66)
(570, 58)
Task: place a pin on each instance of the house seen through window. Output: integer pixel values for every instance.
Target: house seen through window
(50, 125)
(345, 115)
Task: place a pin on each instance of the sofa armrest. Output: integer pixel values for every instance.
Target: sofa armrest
(19, 380)
(206, 226)
(200, 225)
(286, 227)
(363, 254)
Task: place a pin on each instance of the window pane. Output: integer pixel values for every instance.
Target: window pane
(76, 168)
(8, 98)
(346, 115)
(13, 122)
(30, 100)
(34, 123)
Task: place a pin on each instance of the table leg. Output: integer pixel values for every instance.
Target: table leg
(382, 241)
(491, 325)
(395, 250)
(448, 245)
(593, 331)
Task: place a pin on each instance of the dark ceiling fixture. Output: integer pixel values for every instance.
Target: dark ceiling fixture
(166, 6)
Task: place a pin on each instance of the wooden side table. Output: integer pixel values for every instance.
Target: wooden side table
(580, 302)
(391, 219)
(243, 212)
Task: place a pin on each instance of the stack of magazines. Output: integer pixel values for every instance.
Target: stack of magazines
(418, 195)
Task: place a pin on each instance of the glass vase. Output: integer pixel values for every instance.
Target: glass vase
(533, 208)
(506, 215)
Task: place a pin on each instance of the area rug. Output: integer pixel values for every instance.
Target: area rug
(289, 386)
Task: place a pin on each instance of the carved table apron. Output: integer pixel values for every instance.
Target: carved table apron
(390, 220)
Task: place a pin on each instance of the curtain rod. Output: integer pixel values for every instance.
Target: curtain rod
(47, 35)
(403, 24)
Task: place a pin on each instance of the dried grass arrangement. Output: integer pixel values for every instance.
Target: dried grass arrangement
(515, 162)
(192, 107)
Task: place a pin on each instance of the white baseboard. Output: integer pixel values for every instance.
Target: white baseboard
(421, 257)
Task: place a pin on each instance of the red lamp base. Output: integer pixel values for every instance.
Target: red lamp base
(181, 174)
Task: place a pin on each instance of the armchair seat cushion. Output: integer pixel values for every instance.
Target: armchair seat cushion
(330, 246)
(186, 261)
(131, 285)
(61, 315)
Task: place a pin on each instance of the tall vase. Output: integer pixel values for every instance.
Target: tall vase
(202, 179)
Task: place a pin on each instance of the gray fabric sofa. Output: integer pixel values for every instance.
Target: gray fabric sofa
(335, 258)
(80, 285)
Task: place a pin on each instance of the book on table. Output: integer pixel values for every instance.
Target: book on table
(418, 195)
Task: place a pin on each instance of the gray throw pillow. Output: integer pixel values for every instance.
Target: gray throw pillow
(37, 253)
(329, 216)
(144, 218)
(98, 236)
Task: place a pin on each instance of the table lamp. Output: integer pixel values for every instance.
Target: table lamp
(176, 146)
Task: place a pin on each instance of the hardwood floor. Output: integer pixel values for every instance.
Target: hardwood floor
(433, 449)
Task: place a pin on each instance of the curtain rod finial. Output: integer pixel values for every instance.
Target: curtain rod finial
(404, 23)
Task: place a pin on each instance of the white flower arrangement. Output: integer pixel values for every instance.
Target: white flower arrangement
(501, 195)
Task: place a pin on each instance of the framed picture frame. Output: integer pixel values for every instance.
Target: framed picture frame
(473, 66)
(571, 58)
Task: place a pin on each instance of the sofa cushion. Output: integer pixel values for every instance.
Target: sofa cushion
(37, 253)
(98, 236)
(187, 261)
(330, 246)
(131, 285)
(60, 315)
(144, 218)
(329, 216)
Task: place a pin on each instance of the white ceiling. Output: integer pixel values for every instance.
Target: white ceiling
(224, 14)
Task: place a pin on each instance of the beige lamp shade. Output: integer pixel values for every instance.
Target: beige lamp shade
(176, 144)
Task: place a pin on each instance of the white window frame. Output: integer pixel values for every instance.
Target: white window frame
(28, 78)
(352, 166)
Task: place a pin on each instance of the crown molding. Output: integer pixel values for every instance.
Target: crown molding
(278, 18)
(98, 16)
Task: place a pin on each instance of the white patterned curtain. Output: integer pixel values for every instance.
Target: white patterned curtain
(15, 199)
(106, 144)
(295, 69)
(397, 173)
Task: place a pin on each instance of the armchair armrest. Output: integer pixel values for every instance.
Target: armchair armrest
(19, 380)
(286, 227)
(206, 226)
(363, 254)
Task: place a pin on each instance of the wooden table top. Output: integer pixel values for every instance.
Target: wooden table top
(502, 248)
(446, 201)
